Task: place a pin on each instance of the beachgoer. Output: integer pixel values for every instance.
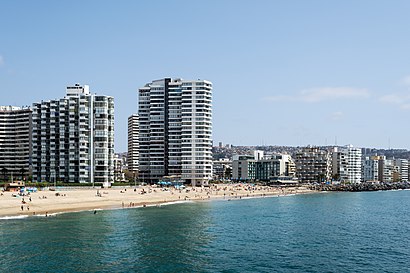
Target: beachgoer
(22, 207)
(46, 213)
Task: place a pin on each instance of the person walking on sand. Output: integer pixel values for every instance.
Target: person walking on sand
(22, 207)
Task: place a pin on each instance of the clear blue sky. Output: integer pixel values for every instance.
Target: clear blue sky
(284, 72)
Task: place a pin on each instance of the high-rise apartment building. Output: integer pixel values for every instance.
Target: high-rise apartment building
(403, 169)
(313, 164)
(370, 168)
(176, 130)
(388, 172)
(73, 138)
(133, 143)
(15, 141)
(347, 163)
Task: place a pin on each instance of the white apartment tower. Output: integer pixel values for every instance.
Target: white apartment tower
(370, 168)
(73, 138)
(15, 141)
(347, 163)
(133, 143)
(176, 130)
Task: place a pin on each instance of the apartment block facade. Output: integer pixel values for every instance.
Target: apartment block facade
(73, 138)
(175, 122)
(347, 163)
(262, 168)
(133, 143)
(313, 165)
(370, 168)
(403, 169)
(15, 141)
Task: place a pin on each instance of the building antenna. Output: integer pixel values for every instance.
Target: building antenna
(389, 144)
(335, 140)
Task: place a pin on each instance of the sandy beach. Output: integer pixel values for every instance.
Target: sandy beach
(70, 200)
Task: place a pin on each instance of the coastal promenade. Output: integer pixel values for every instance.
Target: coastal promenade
(70, 200)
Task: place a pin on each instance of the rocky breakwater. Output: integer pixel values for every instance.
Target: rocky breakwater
(365, 186)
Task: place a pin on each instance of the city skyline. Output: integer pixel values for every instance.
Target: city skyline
(283, 73)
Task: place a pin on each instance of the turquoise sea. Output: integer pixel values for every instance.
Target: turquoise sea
(325, 232)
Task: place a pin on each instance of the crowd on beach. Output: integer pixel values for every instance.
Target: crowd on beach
(66, 199)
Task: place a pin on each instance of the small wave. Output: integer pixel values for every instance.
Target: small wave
(48, 214)
(176, 202)
(13, 217)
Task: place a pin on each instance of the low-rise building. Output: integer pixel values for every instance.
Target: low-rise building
(248, 168)
(222, 169)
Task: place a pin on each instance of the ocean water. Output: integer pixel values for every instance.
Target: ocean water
(326, 232)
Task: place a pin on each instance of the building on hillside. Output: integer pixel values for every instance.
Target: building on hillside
(73, 138)
(15, 142)
(175, 123)
(133, 144)
(347, 163)
(313, 165)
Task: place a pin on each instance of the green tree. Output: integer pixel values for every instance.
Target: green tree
(4, 172)
(228, 173)
(22, 173)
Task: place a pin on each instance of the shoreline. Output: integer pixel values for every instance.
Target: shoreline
(78, 200)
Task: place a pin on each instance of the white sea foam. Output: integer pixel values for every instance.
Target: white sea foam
(13, 217)
(176, 202)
